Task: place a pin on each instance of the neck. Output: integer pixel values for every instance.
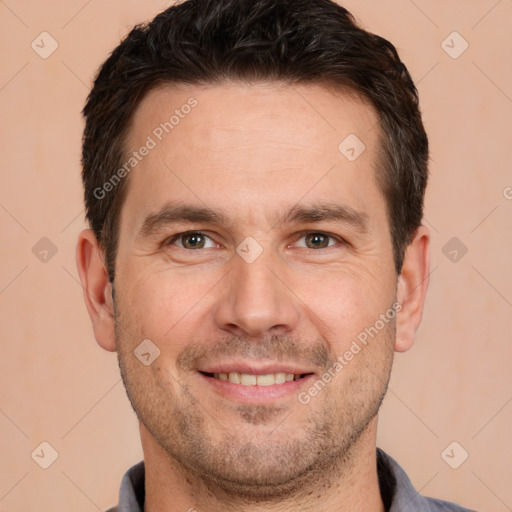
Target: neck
(349, 484)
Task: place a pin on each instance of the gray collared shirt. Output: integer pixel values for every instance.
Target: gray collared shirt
(396, 489)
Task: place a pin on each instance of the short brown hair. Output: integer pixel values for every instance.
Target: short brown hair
(291, 41)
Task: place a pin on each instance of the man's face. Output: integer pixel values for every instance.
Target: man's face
(271, 288)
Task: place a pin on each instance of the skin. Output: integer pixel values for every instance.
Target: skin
(255, 151)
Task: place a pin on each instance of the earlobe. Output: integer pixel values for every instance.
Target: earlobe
(96, 288)
(412, 288)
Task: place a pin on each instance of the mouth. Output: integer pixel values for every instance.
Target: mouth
(248, 379)
(249, 383)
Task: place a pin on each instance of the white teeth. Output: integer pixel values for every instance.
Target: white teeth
(246, 379)
(266, 380)
(280, 378)
(234, 377)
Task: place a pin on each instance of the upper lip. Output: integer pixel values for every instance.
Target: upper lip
(253, 368)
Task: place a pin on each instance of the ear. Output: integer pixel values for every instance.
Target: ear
(412, 288)
(97, 288)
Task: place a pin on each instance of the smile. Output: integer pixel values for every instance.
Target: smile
(246, 379)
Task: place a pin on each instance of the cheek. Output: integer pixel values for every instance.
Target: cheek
(163, 306)
(344, 306)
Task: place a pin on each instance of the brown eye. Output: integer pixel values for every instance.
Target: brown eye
(317, 240)
(191, 240)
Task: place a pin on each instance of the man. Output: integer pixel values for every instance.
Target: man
(254, 177)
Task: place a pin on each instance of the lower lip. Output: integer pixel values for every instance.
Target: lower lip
(256, 394)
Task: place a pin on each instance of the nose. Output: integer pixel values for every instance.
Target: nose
(256, 300)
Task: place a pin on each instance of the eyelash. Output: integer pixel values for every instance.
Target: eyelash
(302, 234)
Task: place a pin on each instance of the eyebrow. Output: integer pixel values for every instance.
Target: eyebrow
(174, 213)
(327, 212)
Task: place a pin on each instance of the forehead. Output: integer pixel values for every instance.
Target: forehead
(252, 110)
(258, 145)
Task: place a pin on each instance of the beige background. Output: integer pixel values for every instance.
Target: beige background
(58, 386)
